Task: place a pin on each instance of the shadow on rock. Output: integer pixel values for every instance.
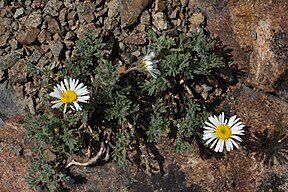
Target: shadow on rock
(269, 148)
(273, 182)
(206, 152)
(173, 180)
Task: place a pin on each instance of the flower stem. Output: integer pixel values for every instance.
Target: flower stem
(130, 69)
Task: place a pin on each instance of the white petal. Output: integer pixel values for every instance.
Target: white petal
(209, 128)
(67, 84)
(236, 137)
(209, 140)
(217, 146)
(234, 143)
(60, 88)
(229, 145)
(82, 91)
(238, 132)
(57, 105)
(211, 125)
(63, 87)
(214, 121)
(78, 87)
(55, 94)
(208, 131)
(208, 136)
(83, 99)
(65, 108)
(238, 128)
(239, 124)
(221, 145)
(214, 142)
(222, 118)
(77, 106)
(231, 120)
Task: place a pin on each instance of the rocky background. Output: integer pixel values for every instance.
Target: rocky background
(254, 34)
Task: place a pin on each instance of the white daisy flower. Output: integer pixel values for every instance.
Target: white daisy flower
(218, 131)
(69, 93)
(149, 64)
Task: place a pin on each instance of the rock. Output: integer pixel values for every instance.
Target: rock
(85, 11)
(9, 60)
(197, 19)
(5, 24)
(37, 4)
(3, 40)
(136, 53)
(15, 26)
(27, 36)
(53, 25)
(34, 19)
(257, 109)
(84, 29)
(56, 47)
(159, 21)
(160, 5)
(36, 54)
(10, 105)
(52, 8)
(18, 13)
(113, 8)
(130, 11)
(57, 37)
(49, 155)
(45, 47)
(43, 62)
(281, 86)
(110, 23)
(136, 39)
(31, 105)
(248, 29)
(62, 17)
(141, 28)
(175, 13)
(145, 18)
(17, 73)
(44, 36)
(70, 35)
(13, 44)
(101, 13)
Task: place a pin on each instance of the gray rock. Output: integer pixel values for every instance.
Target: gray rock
(160, 21)
(36, 54)
(113, 8)
(85, 11)
(10, 105)
(18, 13)
(34, 19)
(3, 40)
(53, 25)
(130, 11)
(5, 24)
(145, 18)
(9, 60)
(110, 23)
(52, 8)
(84, 29)
(135, 39)
(160, 5)
(27, 36)
(13, 44)
(56, 48)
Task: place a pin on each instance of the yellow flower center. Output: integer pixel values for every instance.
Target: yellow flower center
(68, 97)
(223, 132)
